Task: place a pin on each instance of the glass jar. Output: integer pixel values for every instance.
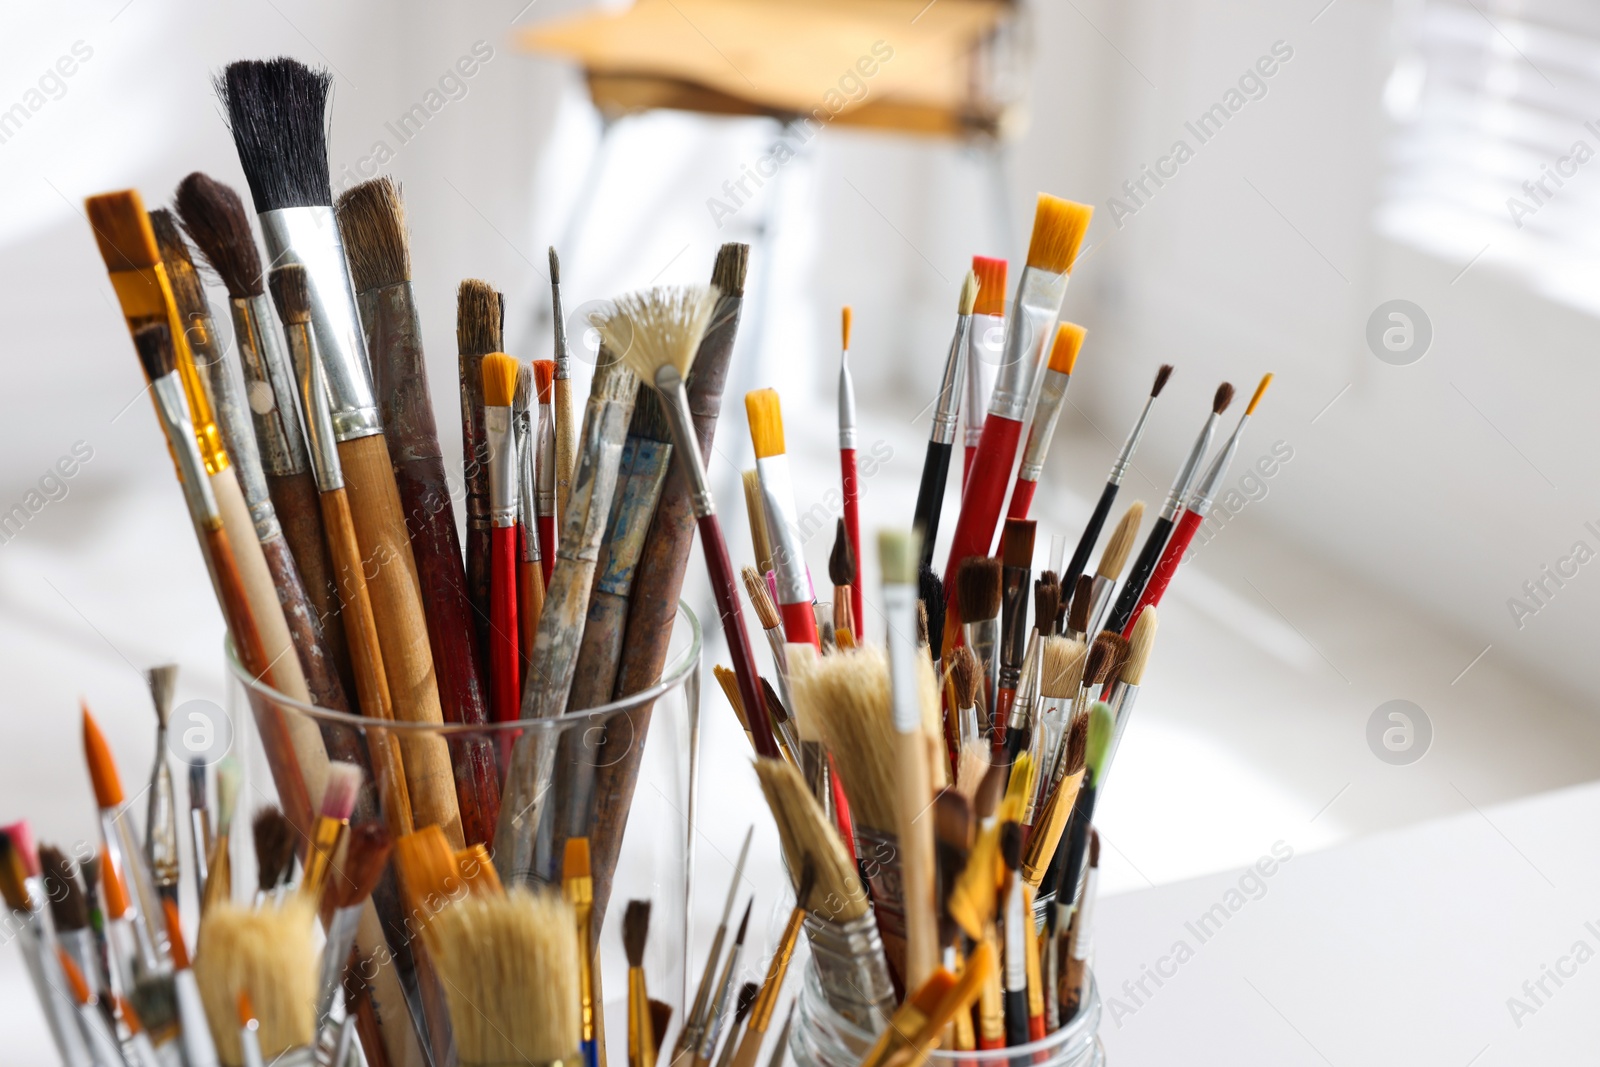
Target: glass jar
(592, 766)
(821, 1037)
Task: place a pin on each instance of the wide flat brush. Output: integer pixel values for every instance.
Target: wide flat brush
(372, 220)
(1108, 494)
(1046, 413)
(277, 110)
(1058, 229)
(849, 482)
(267, 955)
(480, 317)
(1156, 540)
(499, 373)
(942, 435)
(566, 430)
(983, 354)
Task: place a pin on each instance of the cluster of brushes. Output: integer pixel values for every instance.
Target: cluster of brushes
(936, 801)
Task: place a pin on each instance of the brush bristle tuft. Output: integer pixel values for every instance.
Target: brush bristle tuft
(1062, 671)
(163, 682)
(122, 230)
(228, 776)
(479, 318)
(1046, 603)
(278, 112)
(930, 591)
(555, 266)
(102, 765)
(1082, 604)
(978, 588)
(544, 376)
(291, 293)
(267, 959)
(964, 676)
(809, 840)
(841, 561)
(1011, 845)
(635, 931)
(1068, 343)
(429, 870)
(755, 586)
(1140, 643)
(897, 557)
(728, 272)
(499, 380)
(1016, 543)
(756, 512)
(1223, 397)
(340, 791)
(274, 842)
(523, 400)
(1162, 375)
(969, 294)
(845, 318)
(991, 285)
(214, 218)
(363, 865)
(1115, 556)
(1102, 726)
(1094, 848)
(1058, 229)
(1077, 742)
(69, 904)
(187, 290)
(372, 220)
(764, 411)
(575, 859)
(1261, 390)
(746, 1001)
(656, 328)
(154, 345)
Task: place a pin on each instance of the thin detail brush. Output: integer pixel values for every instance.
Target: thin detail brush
(545, 508)
(566, 431)
(1046, 413)
(849, 482)
(161, 848)
(942, 435)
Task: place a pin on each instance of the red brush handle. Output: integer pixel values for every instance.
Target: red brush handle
(984, 496)
(852, 530)
(1021, 498)
(1171, 556)
(799, 624)
(726, 588)
(841, 807)
(1003, 700)
(1036, 1031)
(967, 457)
(505, 652)
(547, 545)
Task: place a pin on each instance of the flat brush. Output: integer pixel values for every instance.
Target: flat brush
(694, 1023)
(1046, 413)
(1058, 229)
(766, 1001)
(755, 512)
(794, 595)
(1108, 495)
(372, 221)
(267, 956)
(499, 372)
(1016, 557)
(545, 447)
(277, 112)
(1156, 540)
(1199, 506)
(350, 887)
(849, 482)
(984, 343)
(722, 1001)
(966, 676)
(274, 841)
(979, 591)
(641, 1034)
(1112, 559)
(161, 848)
(480, 316)
(842, 573)
(22, 891)
(942, 435)
(566, 430)
(1079, 610)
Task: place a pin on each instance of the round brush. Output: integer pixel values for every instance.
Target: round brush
(941, 438)
(847, 466)
(1046, 413)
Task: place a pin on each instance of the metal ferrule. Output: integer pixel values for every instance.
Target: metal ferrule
(1045, 416)
(309, 236)
(313, 384)
(545, 447)
(1099, 601)
(268, 387)
(1204, 493)
(983, 637)
(847, 403)
(1028, 330)
(788, 558)
(1027, 686)
(851, 968)
(527, 486)
(980, 373)
(1014, 644)
(1191, 466)
(228, 395)
(947, 408)
(1125, 457)
(900, 608)
(499, 439)
(675, 405)
(174, 411)
(562, 355)
(1123, 696)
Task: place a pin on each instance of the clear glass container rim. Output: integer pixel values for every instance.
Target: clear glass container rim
(673, 675)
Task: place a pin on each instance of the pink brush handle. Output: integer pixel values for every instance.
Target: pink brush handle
(1021, 498)
(1171, 556)
(733, 628)
(852, 530)
(505, 650)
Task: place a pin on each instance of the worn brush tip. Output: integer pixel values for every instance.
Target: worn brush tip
(499, 380)
(653, 329)
(1011, 845)
(1094, 848)
(479, 318)
(1016, 543)
(277, 110)
(1082, 604)
(364, 862)
(274, 841)
(544, 376)
(744, 923)
(845, 317)
(1068, 343)
(153, 343)
(523, 400)
(990, 790)
(764, 411)
(1046, 605)
(1223, 397)
(214, 218)
(555, 266)
(930, 591)
(1062, 670)
(575, 859)
(291, 293)
(1261, 390)
(897, 556)
(660, 1019)
(228, 775)
(69, 906)
(427, 867)
(163, 682)
(964, 676)
(841, 561)
(1077, 742)
(187, 291)
(372, 220)
(969, 294)
(1058, 229)
(1116, 647)
(122, 230)
(635, 931)
(1162, 375)
(755, 587)
(775, 709)
(102, 766)
(978, 588)
(340, 791)
(991, 285)
(728, 272)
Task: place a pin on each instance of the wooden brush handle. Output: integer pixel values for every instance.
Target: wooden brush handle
(545, 527)
(530, 586)
(505, 651)
(372, 685)
(603, 631)
(566, 433)
(402, 627)
(1021, 498)
(296, 501)
(980, 504)
(915, 831)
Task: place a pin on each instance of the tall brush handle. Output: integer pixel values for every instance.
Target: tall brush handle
(726, 587)
(1091, 534)
(546, 528)
(1171, 556)
(1021, 498)
(930, 497)
(505, 651)
(1139, 575)
(852, 529)
(295, 499)
(402, 627)
(982, 501)
(566, 432)
(530, 587)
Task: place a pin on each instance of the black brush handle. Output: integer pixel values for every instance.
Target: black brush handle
(930, 497)
(1143, 567)
(1091, 534)
(1066, 868)
(1016, 1017)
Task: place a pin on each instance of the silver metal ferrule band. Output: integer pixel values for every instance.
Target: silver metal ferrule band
(788, 558)
(900, 608)
(225, 375)
(1045, 416)
(527, 487)
(268, 387)
(675, 405)
(1125, 457)
(1186, 473)
(1200, 500)
(323, 446)
(947, 407)
(501, 442)
(1028, 330)
(174, 410)
(847, 404)
(545, 461)
(309, 236)
(980, 374)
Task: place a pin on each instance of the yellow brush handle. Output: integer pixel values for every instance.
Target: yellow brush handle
(915, 831)
(287, 676)
(391, 574)
(566, 444)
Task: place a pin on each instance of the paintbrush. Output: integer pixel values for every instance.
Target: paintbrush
(499, 374)
(69, 912)
(396, 782)
(267, 955)
(911, 688)
(338, 801)
(477, 871)
(161, 848)
(842, 573)
(1156, 540)
(201, 834)
(1112, 559)
(1016, 923)
(530, 566)
(965, 678)
(372, 221)
(730, 689)
(972, 901)
(1078, 611)
(641, 1035)
(845, 947)
(1125, 690)
(350, 888)
(274, 841)
(1058, 228)
(794, 595)
(1046, 413)
(930, 592)
(1199, 506)
(742, 1005)
(694, 1023)
(1108, 495)
(766, 1001)
(219, 876)
(722, 998)
(984, 343)
(480, 315)
(1016, 570)
(958, 997)
(942, 435)
(1046, 603)
(780, 1047)
(1066, 872)
(566, 430)
(979, 591)
(22, 890)
(1074, 985)
(755, 587)
(1060, 794)
(545, 506)
(1062, 661)
(646, 457)
(1021, 728)
(577, 887)
(135, 928)
(94, 1024)
(849, 482)
(277, 112)
(756, 513)
(199, 1050)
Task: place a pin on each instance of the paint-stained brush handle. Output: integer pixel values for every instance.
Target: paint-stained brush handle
(566, 452)
(295, 499)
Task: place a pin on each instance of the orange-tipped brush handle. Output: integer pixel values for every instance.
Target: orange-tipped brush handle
(1021, 498)
(505, 640)
(547, 545)
(852, 530)
(725, 585)
(984, 496)
(1171, 556)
